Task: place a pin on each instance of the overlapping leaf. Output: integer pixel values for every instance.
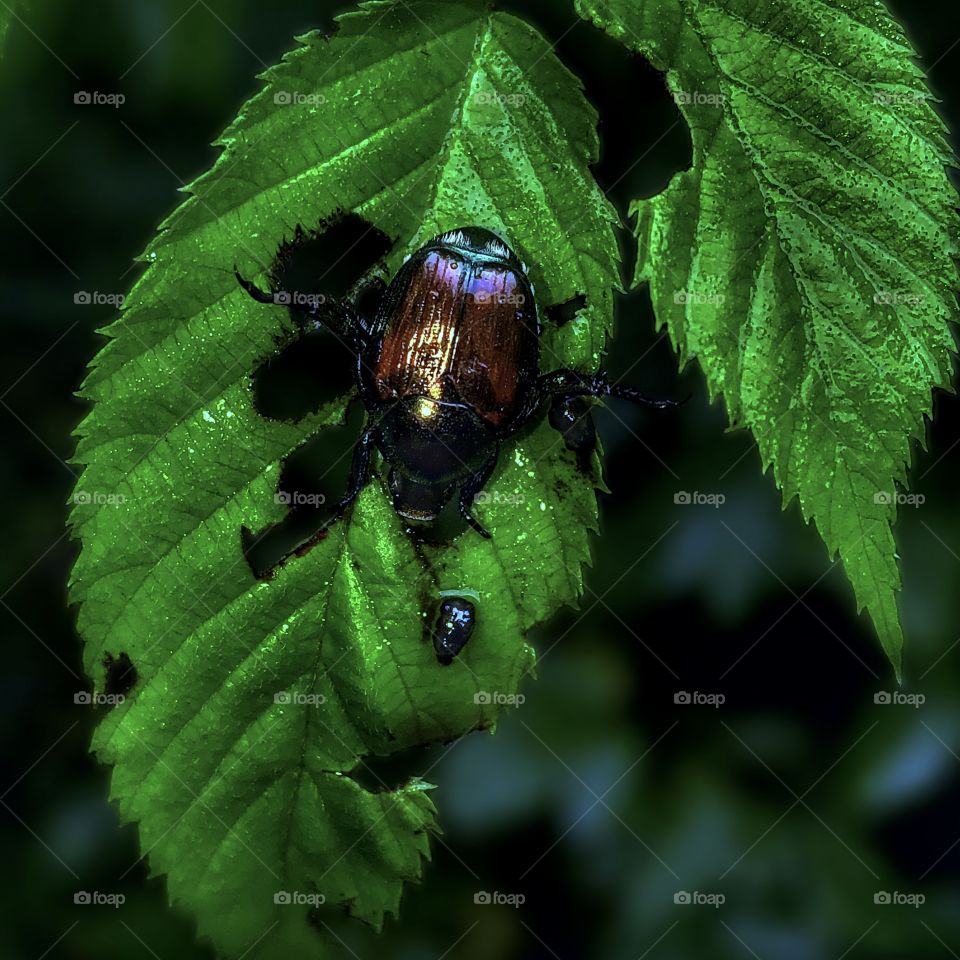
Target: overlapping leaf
(807, 258)
(254, 701)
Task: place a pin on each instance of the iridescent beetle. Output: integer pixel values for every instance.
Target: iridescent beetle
(448, 369)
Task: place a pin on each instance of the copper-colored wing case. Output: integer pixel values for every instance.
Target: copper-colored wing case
(458, 329)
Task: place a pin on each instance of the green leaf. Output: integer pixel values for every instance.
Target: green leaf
(418, 117)
(807, 257)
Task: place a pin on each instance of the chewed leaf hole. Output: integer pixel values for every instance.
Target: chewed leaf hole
(387, 773)
(315, 365)
(331, 259)
(120, 675)
(562, 313)
(312, 480)
(308, 373)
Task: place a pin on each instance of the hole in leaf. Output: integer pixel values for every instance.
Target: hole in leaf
(120, 675)
(562, 313)
(318, 366)
(387, 773)
(323, 915)
(312, 480)
(331, 259)
(308, 373)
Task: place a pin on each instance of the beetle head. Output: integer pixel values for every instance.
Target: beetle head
(420, 502)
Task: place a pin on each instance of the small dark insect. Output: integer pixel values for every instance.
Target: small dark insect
(453, 627)
(448, 369)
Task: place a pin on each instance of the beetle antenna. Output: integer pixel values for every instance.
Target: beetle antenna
(572, 383)
(621, 392)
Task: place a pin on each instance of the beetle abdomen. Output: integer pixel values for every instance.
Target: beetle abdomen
(460, 331)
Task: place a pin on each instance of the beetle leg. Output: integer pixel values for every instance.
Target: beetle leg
(469, 491)
(357, 328)
(571, 383)
(367, 286)
(359, 475)
(321, 315)
(319, 311)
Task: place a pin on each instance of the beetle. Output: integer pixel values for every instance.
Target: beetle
(454, 623)
(448, 369)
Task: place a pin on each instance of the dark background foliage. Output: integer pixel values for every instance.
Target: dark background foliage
(600, 798)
